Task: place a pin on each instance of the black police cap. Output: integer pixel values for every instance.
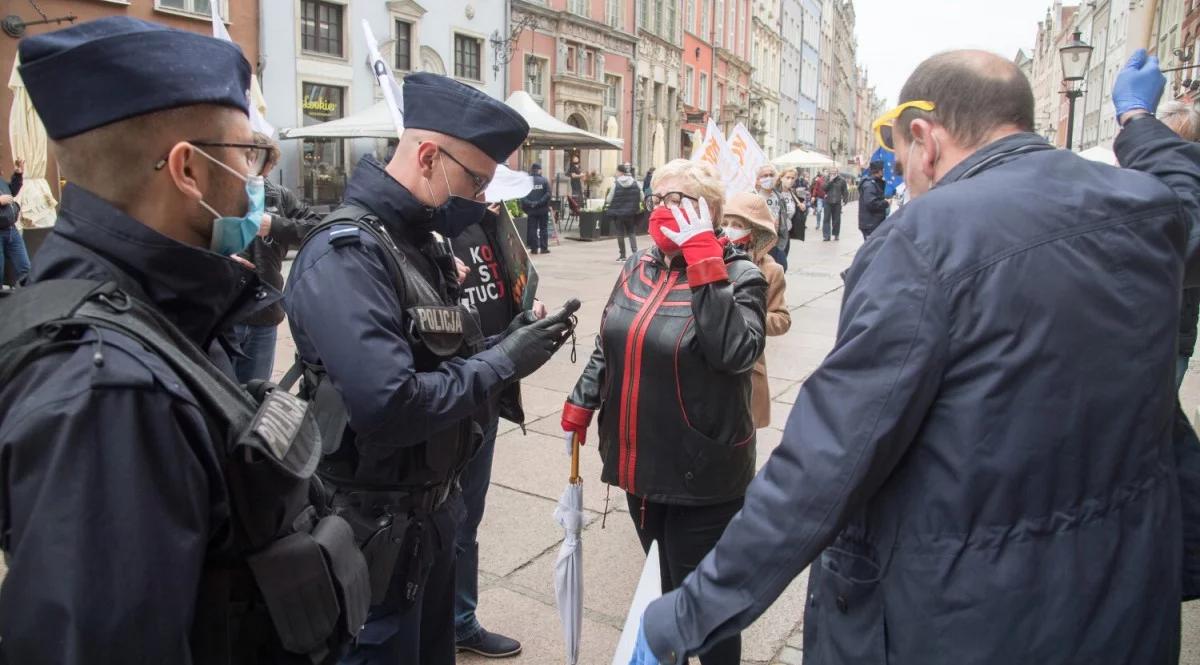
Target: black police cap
(100, 72)
(443, 105)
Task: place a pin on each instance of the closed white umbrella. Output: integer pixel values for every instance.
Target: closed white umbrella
(568, 568)
(27, 136)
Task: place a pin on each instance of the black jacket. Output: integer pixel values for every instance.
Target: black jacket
(291, 220)
(872, 206)
(11, 212)
(537, 202)
(675, 418)
(967, 482)
(837, 192)
(113, 494)
(1189, 311)
(626, 199)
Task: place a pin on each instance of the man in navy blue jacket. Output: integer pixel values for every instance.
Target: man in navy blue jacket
(536, 205)
(983, 468)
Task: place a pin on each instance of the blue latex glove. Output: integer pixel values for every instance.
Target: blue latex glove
(642, 655)
(1139, 86)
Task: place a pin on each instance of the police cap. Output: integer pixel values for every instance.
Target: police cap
(443, 105)
(100, 72)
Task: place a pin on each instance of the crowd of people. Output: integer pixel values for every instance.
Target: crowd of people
(991, 465)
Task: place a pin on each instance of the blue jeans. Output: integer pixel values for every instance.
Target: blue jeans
(12, 245)
(474, 481)
(258, 343)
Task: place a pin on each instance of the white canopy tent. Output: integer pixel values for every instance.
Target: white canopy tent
(803, 159)
(545, 131)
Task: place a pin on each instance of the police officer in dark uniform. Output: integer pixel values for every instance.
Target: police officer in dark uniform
(119, 517)
(374, 305)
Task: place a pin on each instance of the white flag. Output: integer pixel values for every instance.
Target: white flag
(746, 158)
(393, 93)
(258, 104)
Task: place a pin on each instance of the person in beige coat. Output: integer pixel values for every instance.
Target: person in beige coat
(748, 222)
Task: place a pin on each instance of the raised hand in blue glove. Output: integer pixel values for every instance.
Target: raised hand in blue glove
(642, 655)
(1139, 86)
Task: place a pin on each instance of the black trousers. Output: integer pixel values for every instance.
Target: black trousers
(423, 633)
(626, 227)
(537, 232)
(685, 534)
(833, 217)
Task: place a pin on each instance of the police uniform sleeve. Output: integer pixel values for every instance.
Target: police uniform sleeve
(342, 306)
(111, 492)
(852, 422)
(1149, 146)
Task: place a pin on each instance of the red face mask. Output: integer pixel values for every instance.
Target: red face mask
(659, 219)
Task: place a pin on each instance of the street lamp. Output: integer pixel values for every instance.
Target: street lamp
(1076, 56)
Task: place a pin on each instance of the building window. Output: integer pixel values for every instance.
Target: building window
(612, 94)
(578, 7)
(613, 13)
(193, 6)
(689, 83)
(720, 100)
(535, 77)
(321, 27)
(672, 20)
(467, 64)
(705, 10)
(720, 23)
(403, 46)
(689, 16)
(703, 91)
(572, 59)
(324, 160)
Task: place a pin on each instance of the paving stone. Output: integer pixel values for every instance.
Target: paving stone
(538, 464)
(516, 529)
(536, 625)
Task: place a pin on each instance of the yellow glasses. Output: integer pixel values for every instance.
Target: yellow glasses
(883, 126)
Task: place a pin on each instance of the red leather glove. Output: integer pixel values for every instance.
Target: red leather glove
(575, 419)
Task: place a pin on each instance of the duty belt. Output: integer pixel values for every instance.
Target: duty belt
(369, 500)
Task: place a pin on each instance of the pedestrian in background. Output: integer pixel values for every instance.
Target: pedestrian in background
(781, 207)
(671, 375)
(800, 191)
(12, 245)
(575, 175)
(646, 190)
(872, 204)
(747, 224)
(799, 205)
(967, 481)
(624, 206)
(536, 206)
(287, 221)
(817, 196)
(837, 193)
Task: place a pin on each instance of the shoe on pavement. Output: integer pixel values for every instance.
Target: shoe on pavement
(825, 239)
(621, 259)
(546, 251)
(837, 237)
(490, 645)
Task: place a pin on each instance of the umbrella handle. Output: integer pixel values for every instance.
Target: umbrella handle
(575, 479)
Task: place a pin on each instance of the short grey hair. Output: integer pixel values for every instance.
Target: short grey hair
(1182, 117)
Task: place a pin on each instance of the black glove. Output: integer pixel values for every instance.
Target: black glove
(519, 321)
(531, 346)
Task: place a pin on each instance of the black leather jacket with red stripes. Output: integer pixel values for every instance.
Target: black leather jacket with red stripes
(671, 378)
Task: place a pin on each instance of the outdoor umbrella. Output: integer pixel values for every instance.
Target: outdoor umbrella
(27, 136)
(568, 569)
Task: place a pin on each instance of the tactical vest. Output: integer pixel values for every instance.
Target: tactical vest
(296, 588)
(438, 328)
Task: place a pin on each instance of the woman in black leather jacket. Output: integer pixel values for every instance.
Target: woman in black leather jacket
(671, 378)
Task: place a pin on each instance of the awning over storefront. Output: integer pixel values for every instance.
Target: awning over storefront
(804, 159)
(545, 131)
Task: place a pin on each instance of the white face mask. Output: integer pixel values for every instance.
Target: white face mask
(767, 182)
(735, 234)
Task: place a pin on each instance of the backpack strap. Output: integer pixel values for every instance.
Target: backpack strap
(32, 319)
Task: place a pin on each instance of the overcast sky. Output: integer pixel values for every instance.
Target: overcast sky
(894, 36)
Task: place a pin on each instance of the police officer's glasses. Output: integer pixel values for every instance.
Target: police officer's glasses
(884, 126)
(479, 181)
(669, 199)
(255, 154)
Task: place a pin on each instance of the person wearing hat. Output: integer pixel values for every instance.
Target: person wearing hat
(873, 205)
(394, 359)
(119, 524)
(536, 206)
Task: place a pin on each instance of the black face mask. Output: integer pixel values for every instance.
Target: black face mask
(456, 215)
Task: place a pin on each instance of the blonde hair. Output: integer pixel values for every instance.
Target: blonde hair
(698, 178)
(1182, 117)
(764, 167)
(793, 172)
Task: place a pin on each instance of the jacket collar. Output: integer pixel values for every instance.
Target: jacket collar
(1000, 151)
(372, 188)
(201, 292)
